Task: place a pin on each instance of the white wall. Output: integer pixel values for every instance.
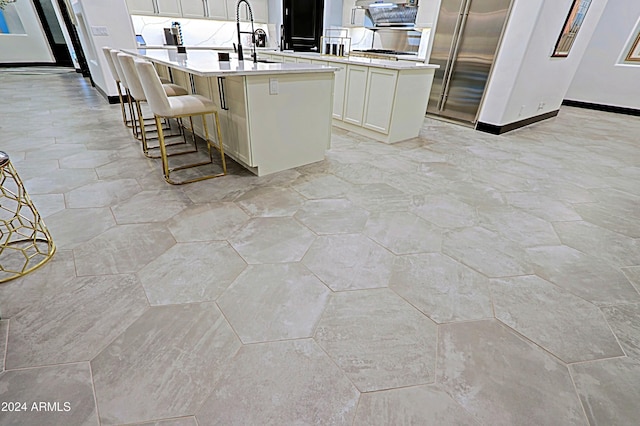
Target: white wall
(29, 47)
(526, 81)
(603, 77)
(112, 16)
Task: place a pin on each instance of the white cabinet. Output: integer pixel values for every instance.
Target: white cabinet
(381, 90)
(212, 9)
(195, 8)
(352, 16)
(355, 94)
(427, 13)
(289, 60)
(155, 7)
(338, 89)
(168, 8)
(142, 7)
(258, 7)
(303, 61)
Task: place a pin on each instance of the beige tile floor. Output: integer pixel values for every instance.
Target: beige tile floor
(459, 278)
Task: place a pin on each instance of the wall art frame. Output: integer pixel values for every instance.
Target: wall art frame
(572, 25)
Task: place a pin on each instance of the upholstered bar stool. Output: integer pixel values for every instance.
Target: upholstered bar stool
(116, 77)
(137, 92)
(164, 106)
(25, 242)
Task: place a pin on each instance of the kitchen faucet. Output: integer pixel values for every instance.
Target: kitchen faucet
(253, 35)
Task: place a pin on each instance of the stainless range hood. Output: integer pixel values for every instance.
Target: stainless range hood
(391, 13)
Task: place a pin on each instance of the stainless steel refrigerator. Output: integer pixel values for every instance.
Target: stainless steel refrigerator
(465, 43)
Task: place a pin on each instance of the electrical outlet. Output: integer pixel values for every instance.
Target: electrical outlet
(541, 106)
(273, 86)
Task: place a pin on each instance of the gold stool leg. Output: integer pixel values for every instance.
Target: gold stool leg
(220, 144)
(25, 241)
(163, 151)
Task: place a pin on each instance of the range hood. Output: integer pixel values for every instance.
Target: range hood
(391, 13)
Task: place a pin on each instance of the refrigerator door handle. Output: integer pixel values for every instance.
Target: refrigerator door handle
(465, 6)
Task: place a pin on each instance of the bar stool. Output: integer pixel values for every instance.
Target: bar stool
(25, 242)
(170, 88)
(137, 92)
(114, 73)
(164, 106)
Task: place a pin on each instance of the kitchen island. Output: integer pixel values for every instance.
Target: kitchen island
(381, 99)
(273, 116)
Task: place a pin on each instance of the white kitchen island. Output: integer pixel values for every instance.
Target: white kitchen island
(381, 99)
(273, 116)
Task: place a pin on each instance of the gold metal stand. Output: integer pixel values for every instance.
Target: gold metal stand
(25, 242)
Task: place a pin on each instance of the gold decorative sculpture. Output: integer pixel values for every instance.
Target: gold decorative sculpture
(25, 242)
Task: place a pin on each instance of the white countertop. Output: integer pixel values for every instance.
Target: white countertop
(205, 63)
(357, 60)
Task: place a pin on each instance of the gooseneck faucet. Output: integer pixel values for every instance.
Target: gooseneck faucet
(253, 35)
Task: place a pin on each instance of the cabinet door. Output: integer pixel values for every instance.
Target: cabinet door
(194, 8)
(218, 10)
(290, 60)
(141, 7)
(381, 89)
(352, 16)
(277, 58)
(244, 13)
(355, 93)
(169, 7)
(303, 61)
(260, 10)
(338, 89)
(427, 13)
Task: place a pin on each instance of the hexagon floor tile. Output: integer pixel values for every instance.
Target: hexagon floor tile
(378, 339)
(103, 193)
(443, 289)
(74, 326)
(525, 229)
(207, 222)
(323, 186)
(270, 202)
(379, 197)
(280, 383)
(332, 216)
(609, 390)
(59, 181)
(583, 275)
(419, 405)
(502, 379)
(62, 384)
(445, 211)
(487, 252)
(610, 246)
(123, 249)
(272, 240)
(274, 302)
(566, 325)
(150, 206)
(155, 380)
(624, 320)
(191, 272)
(41, 284)
(63, 225)
(349, 262)
(403, 233)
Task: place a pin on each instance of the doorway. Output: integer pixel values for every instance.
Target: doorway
(53, 32)
(303, 20)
